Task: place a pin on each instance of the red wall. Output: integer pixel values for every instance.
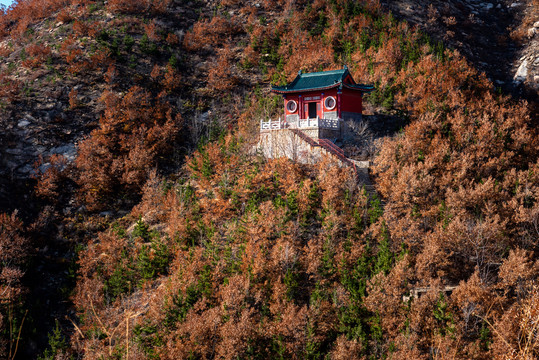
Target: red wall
(307, 98)
(294, 97)
(351, 101)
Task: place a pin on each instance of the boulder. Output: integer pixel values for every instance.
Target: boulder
(23, 123)
(522, 73)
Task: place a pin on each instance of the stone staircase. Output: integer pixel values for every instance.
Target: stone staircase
(361, 168)
(304, 137)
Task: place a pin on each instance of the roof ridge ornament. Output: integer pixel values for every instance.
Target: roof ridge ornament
(345, 67)
(300, 72)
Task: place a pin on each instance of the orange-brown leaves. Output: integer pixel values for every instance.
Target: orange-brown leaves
(64, 15)
(312, 54)
(80, 28)
(208, 33)
(172, 39)
(153, 31)
(138, 6)
(518, 270)
(38, 54)
(172, 78)
(386, 296)
(133, 131)
(239, 279)
(22, 14)
(13, 247)
(220, 75)
(515, 333)
(50, 180)
(128, 6)
(14, 251)
(111, 74)
(9, 87)
(73, 99)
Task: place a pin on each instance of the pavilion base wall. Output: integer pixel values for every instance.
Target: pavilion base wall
(331, 134)
(351, 116)
(350, 120)
(284, 143)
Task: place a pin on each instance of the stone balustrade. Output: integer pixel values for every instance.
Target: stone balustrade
(300, 124)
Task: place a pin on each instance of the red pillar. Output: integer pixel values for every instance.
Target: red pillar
(339, 103)
(300, 105)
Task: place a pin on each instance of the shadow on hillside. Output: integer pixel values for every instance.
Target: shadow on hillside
(370, 132)
(478, 30)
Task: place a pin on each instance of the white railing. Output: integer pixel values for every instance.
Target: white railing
(330, 123)
(272, 124)
(300, 123)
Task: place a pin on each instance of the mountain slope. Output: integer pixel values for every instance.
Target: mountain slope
(230, 255)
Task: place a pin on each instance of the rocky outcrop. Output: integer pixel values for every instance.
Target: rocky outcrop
(486, 32)
(526, 69)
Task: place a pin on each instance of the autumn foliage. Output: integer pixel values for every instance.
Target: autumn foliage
(271, 259)
(207, 33)
(134, 130)
(14, 250)
(256, 251)
(38, 54)
(230, 255)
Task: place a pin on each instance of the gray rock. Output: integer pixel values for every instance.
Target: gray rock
(30, 118)
(204, 117)
(23, 123)
(69, 151)
(26, 169)
(522, 73)
(15, 151)
(488, 6)
(536, 24)
(514, 5)
(9, 164)
(44, 167)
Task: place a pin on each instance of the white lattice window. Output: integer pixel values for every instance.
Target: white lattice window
(291, 106)
(330, 103)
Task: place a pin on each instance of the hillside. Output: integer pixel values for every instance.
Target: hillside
(138, 223)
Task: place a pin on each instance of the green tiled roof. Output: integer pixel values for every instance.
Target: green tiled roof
(320, 81)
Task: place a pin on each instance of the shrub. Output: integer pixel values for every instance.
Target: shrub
(15, 251)
(38, 54)
(208, 33)
(134, 130)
